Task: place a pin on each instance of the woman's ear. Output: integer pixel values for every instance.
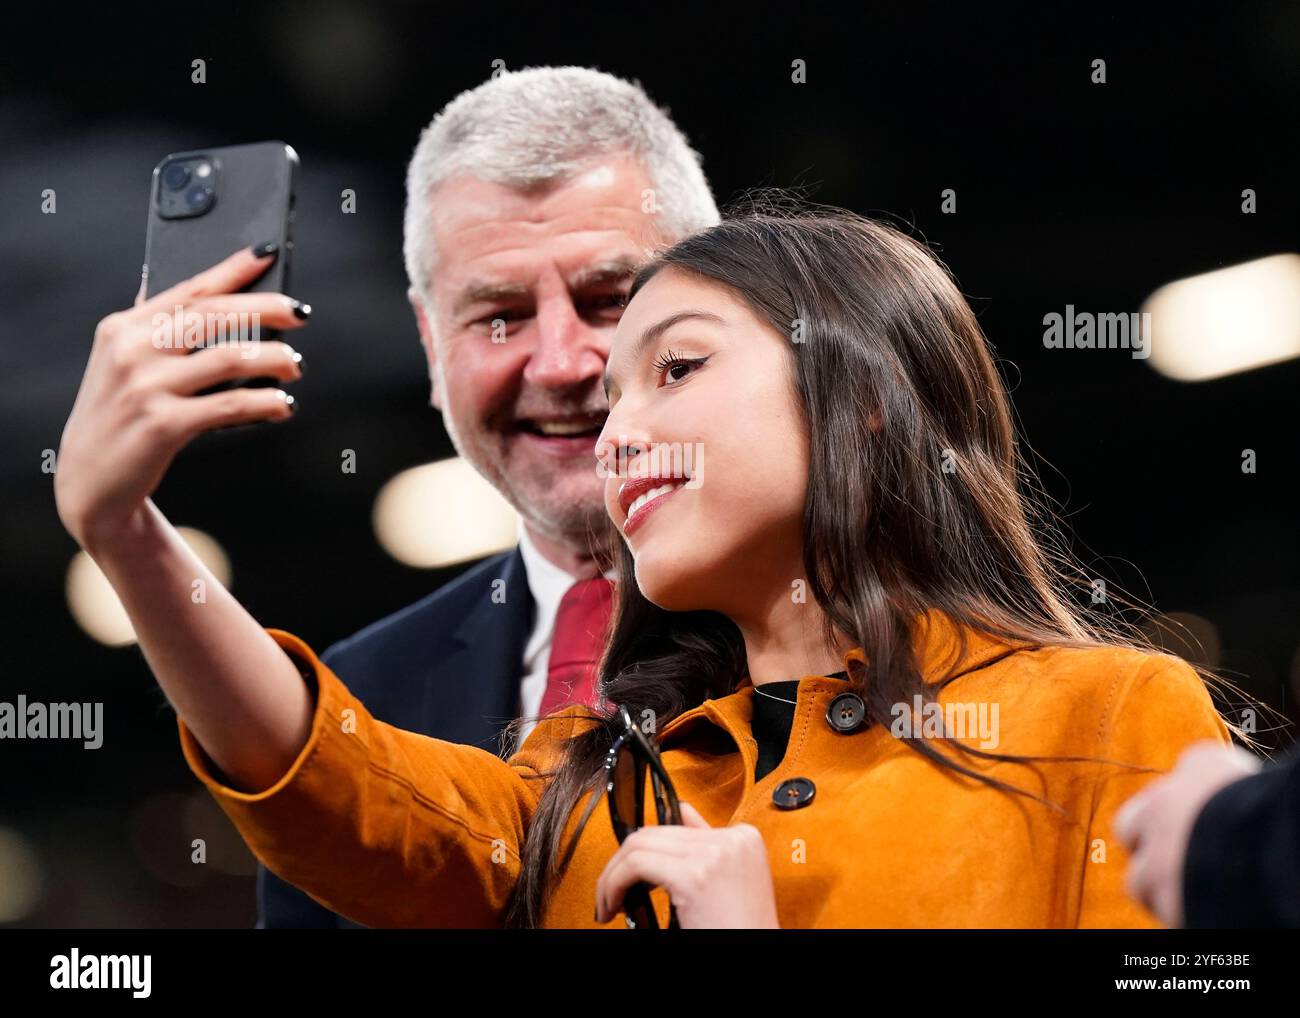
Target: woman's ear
(875, 421)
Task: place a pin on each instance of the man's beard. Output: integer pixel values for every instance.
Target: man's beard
(582, 523)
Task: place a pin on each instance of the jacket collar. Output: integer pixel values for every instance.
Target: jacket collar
(943, 648)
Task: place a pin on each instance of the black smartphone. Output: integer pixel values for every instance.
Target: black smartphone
(206, 204)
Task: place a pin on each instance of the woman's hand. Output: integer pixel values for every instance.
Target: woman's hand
(717, 877)
(136, 407)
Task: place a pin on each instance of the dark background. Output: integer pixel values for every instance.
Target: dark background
(1068, 192)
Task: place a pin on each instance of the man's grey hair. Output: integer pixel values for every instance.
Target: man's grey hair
(536, 127)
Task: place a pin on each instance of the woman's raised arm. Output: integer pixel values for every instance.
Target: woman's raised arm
(137, 407)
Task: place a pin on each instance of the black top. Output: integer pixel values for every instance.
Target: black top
(773, 718)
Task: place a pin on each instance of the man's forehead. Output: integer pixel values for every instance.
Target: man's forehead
(582, 258)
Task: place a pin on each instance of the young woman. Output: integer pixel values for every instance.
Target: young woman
(839, 617)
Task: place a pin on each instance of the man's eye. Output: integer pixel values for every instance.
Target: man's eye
(606, 302)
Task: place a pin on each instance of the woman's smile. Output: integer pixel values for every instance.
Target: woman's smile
(642, 496)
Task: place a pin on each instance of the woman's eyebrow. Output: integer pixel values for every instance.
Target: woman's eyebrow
(654, 332)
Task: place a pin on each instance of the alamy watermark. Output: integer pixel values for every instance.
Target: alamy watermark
(23, 720)
(671, 460)
(75, 971)
(921, 720)
(1083, 330)
(189, 330)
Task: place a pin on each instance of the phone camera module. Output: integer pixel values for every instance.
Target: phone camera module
(187, 187)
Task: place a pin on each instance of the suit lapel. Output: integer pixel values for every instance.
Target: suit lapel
(473, 691)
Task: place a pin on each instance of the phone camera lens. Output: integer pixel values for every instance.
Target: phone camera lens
(197, 197)
(176, 176)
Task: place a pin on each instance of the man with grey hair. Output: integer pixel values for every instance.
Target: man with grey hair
(531, 200)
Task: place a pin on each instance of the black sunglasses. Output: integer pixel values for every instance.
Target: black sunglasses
(625, 768)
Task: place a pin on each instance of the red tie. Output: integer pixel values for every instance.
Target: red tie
(580, 625)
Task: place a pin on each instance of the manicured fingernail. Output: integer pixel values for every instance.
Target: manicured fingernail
(262, 250)
(301, 310)
(296, 357)
(289, 400)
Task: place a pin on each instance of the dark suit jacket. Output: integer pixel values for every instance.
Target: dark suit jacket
(448, 666)
(1243, 857)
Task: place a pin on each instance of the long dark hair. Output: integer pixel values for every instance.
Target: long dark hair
(918, 497)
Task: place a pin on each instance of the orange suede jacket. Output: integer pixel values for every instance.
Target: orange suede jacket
(391, 828)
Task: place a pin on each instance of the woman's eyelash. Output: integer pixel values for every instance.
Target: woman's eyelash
(669, 359)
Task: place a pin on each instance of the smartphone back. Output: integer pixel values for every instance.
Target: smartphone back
(206, 204)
